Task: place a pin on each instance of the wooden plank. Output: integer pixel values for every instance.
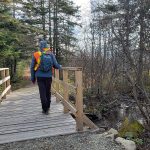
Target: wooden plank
(21, 103)
(12, 105)
(8, 81)
(39, 118)
(67, 104)
(1, 69)
(33, 99)
(3, 85)
(4, 80)
(32, 113)
(72, 87)
(5, 91)
(59, 130)
(89, 123)
(72, 68)
(25, 113)
(22, 109)
(35, 126)
(27, 116)
(25, 99)
(45, 122)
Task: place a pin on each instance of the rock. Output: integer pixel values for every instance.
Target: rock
(110, 134)
(113, 131)
(129, 145)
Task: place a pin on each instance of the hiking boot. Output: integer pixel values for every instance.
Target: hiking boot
(45, 112)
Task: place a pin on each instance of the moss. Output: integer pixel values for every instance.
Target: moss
(133, 127)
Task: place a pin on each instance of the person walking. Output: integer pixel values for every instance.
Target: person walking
(41, 70)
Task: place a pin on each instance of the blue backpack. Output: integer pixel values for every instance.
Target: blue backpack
(45, 62)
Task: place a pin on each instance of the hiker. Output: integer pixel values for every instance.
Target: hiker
(41, 70)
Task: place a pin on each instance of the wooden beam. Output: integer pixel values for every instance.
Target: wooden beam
(4, 84)
(72, 68)
(89, 123)
(65, 89)
(8, 81)
(1, 69)
(64, 83)
(79, 100)
(57, 84)
(66, 103)
(4, 80)
(5, 92)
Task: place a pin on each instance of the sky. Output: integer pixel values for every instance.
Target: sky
(84, 12)
(85, 7)
(85, 15)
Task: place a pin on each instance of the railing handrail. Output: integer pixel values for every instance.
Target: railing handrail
(72, 68)
(4, 82)
(1, 69)
(77, 108)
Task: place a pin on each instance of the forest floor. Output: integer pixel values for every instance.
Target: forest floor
(146, 141)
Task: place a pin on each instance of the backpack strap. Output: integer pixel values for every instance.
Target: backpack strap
(37, 58)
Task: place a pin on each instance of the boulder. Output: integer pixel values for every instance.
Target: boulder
(128, 144)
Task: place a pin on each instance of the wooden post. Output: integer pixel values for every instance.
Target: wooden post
(65, 88)
(57, 83)
(4, 84)
(79, 100)
(8, 81)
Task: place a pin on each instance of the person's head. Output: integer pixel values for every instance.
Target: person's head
(42, 45)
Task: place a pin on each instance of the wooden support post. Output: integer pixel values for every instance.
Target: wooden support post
(57, 83)
(65, 89)
(79, 100)
(4, 84)
(8, 81)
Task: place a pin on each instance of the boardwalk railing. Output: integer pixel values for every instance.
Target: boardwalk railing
(4, 82)
(70, 81)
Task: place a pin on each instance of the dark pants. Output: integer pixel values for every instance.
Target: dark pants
(45, 92)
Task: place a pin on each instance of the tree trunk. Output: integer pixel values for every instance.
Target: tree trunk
(50, 26)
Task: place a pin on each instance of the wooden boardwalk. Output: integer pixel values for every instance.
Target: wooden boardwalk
(21, 117)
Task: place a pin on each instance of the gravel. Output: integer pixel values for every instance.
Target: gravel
(78, 141)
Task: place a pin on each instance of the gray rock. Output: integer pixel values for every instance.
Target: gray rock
(113, 131)
(129, 145)
(111, 136)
